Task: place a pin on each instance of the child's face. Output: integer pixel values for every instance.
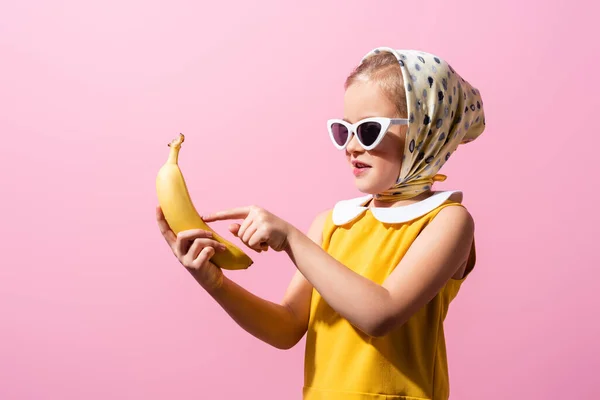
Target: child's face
(365, 99)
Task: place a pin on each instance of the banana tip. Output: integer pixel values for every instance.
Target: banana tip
(177, 142)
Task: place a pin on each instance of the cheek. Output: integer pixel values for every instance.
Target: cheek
(388, 164)
(393, 149)
(388, 158)
(391, 157)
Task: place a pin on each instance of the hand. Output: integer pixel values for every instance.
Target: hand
(193, 248)
(259, 230)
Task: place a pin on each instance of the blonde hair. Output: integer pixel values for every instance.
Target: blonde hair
(384, 69)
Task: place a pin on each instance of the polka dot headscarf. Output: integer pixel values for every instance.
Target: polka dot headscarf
(444, 111)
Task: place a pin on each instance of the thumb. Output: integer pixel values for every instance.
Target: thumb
(234, 228)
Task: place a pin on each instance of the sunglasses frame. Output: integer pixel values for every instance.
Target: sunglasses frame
(352, 129)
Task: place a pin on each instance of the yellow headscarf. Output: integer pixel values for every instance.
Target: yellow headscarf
(444, 111)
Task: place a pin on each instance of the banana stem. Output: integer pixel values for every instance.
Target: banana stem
(175, 146)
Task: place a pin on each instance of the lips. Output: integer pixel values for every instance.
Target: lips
(358, 164)
(360, 168)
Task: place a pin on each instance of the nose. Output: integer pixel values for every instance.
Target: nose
(354, 147)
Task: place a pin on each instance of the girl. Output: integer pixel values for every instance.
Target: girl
(376, 274)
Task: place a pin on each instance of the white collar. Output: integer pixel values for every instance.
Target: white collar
(345, 211)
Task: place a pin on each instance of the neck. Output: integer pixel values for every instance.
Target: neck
(407, 191)
(399, 203)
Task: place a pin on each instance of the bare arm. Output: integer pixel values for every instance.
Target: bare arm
(280, 325)
(376, 309)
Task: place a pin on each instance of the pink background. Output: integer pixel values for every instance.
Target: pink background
(92, 303)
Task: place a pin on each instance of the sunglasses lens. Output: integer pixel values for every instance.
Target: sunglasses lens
(340, 133)
(369, 132)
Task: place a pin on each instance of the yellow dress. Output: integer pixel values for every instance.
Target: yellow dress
(410, 362)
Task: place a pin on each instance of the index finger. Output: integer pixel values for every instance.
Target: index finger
(234, 213)
(164, 227)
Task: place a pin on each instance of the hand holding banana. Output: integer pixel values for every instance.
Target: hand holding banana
(194, 249)
(193, 242)
(178, 216)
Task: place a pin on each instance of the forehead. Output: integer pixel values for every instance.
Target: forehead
(366, 99)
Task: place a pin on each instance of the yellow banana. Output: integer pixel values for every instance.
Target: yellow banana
(180, 213)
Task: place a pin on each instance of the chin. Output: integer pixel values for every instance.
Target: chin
(366, 187)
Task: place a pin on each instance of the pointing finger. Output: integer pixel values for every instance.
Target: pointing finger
(234, 213)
